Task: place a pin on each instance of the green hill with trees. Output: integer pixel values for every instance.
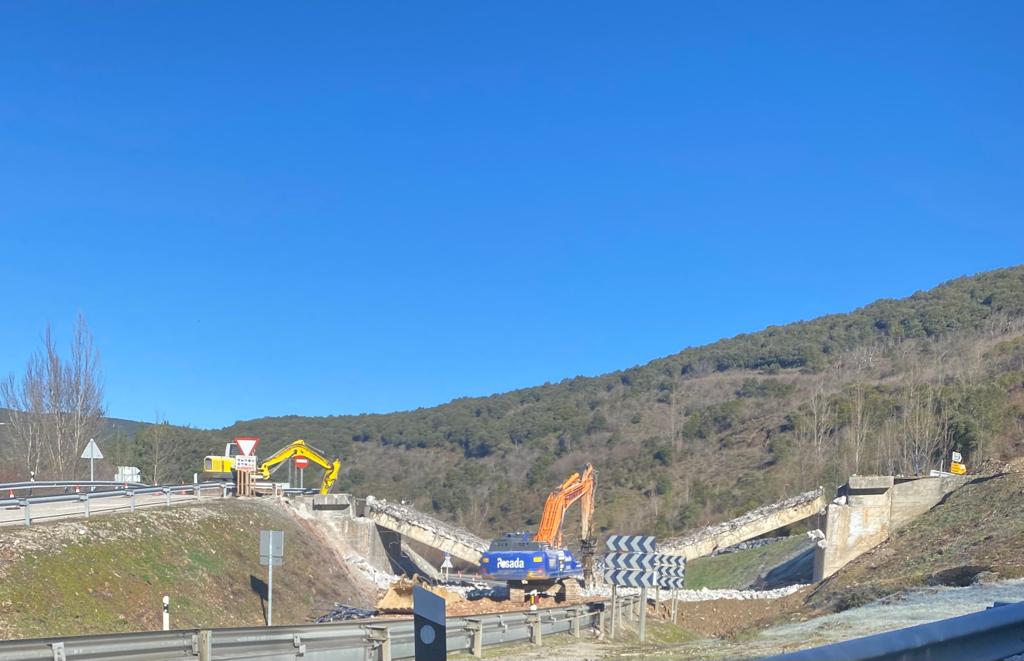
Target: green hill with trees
(693, 437)
(711, 431)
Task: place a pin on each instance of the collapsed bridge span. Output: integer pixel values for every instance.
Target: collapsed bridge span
(425, 529)
(752, 524)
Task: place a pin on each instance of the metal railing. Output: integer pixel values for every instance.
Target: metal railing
(359, 640)
(92, 485)
(988, 635)
(88, 497)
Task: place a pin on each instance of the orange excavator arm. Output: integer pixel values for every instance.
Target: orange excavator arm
(576, 488)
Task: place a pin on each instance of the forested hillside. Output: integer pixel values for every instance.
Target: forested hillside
(704, 433)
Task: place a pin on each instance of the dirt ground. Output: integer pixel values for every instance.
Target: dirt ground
(729, 617)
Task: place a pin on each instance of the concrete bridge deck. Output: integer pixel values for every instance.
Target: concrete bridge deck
(752, 524)
(425, 529)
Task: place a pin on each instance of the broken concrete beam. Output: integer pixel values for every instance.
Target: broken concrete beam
(752, 524)
(426, 529)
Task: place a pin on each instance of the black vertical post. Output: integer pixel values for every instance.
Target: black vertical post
(429, 625)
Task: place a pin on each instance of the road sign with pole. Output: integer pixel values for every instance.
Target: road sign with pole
(271, 553)
(92, 452)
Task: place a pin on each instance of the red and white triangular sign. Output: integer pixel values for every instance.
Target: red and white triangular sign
(247, 444)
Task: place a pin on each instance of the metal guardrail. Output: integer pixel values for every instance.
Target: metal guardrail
(380, 640)
(57, 484)
(87, 497)
(988, 635)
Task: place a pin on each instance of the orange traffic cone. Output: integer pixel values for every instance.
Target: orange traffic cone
(10, 493)
(77, 490)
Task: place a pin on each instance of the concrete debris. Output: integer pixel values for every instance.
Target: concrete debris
(704, 594)
(381, 579)
(398, 598)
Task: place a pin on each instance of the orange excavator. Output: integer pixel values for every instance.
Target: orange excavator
(541, 562)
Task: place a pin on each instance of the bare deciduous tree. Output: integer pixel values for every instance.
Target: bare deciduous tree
(56, 406)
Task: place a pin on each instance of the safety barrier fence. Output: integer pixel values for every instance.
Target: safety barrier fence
(357, 640)
(129, 497)
(90, 485)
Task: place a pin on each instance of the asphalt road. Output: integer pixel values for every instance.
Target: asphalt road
(43, 512)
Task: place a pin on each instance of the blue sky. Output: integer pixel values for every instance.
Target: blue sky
(327, 208)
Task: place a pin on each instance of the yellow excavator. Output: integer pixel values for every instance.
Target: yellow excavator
(221, 467)
(300, 448)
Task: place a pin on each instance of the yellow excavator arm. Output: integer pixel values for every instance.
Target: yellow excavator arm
(576, 488)
(300, 448)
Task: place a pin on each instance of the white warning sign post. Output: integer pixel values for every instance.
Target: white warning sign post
(92, 452)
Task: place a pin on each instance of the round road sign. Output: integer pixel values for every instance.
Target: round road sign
(301, 462)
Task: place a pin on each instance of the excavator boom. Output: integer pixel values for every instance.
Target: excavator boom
(576, 488)
(300, 448)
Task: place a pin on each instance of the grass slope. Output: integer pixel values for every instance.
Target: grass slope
(740, 569)
(109, 573)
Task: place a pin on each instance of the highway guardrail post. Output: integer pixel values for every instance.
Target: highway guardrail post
(380, 638)
(574, 622)
(85, 499)
(202, 644)
(28, 514)
(167, 492)
(476, 629)
(131, 494)
(536, 629)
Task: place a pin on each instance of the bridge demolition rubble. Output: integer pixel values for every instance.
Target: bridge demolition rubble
(752, 524)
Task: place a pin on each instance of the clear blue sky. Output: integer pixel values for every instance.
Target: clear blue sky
(327, 208)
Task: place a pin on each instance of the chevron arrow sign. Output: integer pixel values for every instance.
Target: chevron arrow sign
(666, 560)
(672, 572)
(670, 583)
(630, 544)
(630, 578)
(644, 561)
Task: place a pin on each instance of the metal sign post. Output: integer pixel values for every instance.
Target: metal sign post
(632, 562)
(271, 553)
(643, 614)
(92, 452)
(611, 629)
